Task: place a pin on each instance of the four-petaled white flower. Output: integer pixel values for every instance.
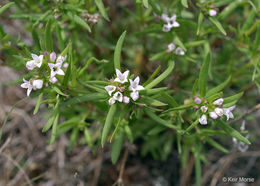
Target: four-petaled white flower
(110, 89)
(204, 109)
(32, 84)
(61, 59)
(218, 101)
(203, 120)
(219, 111)
(171, 47)
(134, 85)
(118, 96)
(111, 101)
(134, 95)
(179, 51)
(213, 115)
(121, 77)
(170, 22)
(228, 112)
(36, 62)
(56, 69)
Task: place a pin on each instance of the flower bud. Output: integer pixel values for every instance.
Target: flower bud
(53, 56)
(197, 100)
(213, 115)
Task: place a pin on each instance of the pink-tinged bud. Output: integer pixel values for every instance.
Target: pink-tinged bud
(126, 100)
(212, 13)
(171, 114)
(213, 115)
(46, 53)
(111, 80)
(53, 56)
(206, 101)
(196, 107)
(56, 16)
(141, 106)
(36, 70)
(197, 100)
(66, 65)
(56, 10)
(134, 107)
(212, 6)
(46, 85)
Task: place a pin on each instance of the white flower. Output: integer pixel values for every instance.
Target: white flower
(204, 109)
(111, 101)
(170, 22)
(179, 51)
(126, 99)
(36, 62)
(218, 101)
(56, 69)
(32, 84)
(219, 111)
(134, 95)
(121, 77)
(118, 96)
(110, 89)
(53, 79)
(134, 85)
(228, 112)
(212, 12)
(171, 47)
(213, 115)
(61, 59)
(203, 120)
(53, 56)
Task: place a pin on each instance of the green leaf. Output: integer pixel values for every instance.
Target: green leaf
(78, 20)
(48, 36)
(184, 3)
(218, 25)
(146, 3)
(152, 76)
(129, 133)
(108, 124)
(54, 129)
(49, 123)
(195, 43)
(197, 169)
(153, 102)
(156, 130)
(160, 78)
(179, 42)
(38, 103)
(117, 146)
(117, 52)
(232, 132)
(159, 120)
(233, 98)
(195, 123)
(204, 75)
(5, 7)
(194, 88)
(102, 9)
(85, 98)
(65, 51)
(88, 137)
(73, 138)
(182, 107)
(217, 145)
(200, 19)
(56, 89)
(218, 88)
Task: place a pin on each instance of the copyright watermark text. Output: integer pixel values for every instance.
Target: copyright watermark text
(238, 179)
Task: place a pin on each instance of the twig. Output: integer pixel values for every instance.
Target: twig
(19, 167)
(254, 109)
(5, 144)
(119, 181)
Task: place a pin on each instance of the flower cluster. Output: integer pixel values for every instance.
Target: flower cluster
(170, 22)
(122, 88)
(42, 71)
(215, 110)
(172, 47)
(209, 8)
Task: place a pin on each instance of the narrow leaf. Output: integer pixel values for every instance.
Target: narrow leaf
(38, 103)
(184, 3)
(5, 7)
(117, 52)
(79, 21)
(108, 124)
(200, 19)
(230, 131)
(204, 75)
(218, 88)
(218, 25)
(48, 36)
(102, 9)
(117, 147)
